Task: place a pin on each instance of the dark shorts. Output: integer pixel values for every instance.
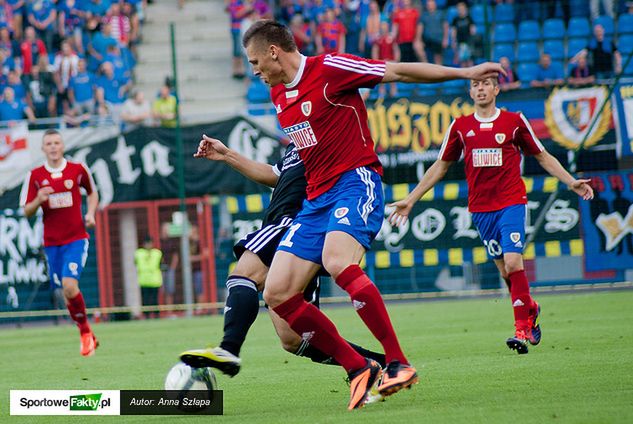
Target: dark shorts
(264, 242)
(434, 46)
(407, 54)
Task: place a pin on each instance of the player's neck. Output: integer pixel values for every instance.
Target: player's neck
(487, 111)
(55, 164)
(292, 66)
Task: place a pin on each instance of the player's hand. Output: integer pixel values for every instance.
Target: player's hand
(400, 213)
(485, 70)
(583, 189)
(90, 220)
(211, 148)
(43, 193)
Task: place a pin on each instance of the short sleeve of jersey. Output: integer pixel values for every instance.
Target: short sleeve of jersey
(344, 72)
(29, 191)
(452, 145)
(86, 179)
(526, 139)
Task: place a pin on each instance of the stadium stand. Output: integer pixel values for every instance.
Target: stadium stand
(553, 29)
(529, 31)
(579, 28)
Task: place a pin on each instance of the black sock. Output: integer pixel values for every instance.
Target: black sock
(240, 312)
(307, 350)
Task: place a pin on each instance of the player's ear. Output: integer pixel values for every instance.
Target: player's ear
(274, 52)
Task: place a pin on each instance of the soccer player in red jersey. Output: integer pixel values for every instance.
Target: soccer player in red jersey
(55, 187)
(321, 111)
(492, 141)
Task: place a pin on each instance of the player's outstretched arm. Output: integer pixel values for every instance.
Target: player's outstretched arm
(402, 208)
(555, 169)
(214, 149)
(428, 72)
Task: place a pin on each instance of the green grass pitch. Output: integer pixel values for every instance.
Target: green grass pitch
(581, 373)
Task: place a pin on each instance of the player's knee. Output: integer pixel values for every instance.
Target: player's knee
(513, 266)
(70, 288)
(273, 298)
(335, 265)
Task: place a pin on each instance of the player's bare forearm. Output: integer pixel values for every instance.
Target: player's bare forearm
(259, 172)
(428, 72)
(93, 202)
(31, 207)
(554, 168)
(431, 177)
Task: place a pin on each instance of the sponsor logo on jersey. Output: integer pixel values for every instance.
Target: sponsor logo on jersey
(301, 135)
(68, 184)
(306, 108)
(470, 133)
(486, 126)
(500, 138)
(341, 212)
(487, 157)
(60, 200)
(515, 237)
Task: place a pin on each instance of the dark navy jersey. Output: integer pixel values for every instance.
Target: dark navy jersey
(290, 190)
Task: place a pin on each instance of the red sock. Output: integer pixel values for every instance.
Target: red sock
(371, 308)
(312, 324)
(521, 299)
(77, 309)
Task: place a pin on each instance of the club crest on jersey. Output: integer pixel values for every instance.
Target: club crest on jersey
(500, 138)
(46, 182)
(340, 212)
(68, 184)
(306, 108)
(515, 237)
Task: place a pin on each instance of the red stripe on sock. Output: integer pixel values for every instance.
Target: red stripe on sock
(312, 325)
(77, 308)
(371, 308)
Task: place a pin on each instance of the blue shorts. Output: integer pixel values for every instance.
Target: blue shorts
(502, 231)
(67, 260)
(354, 205)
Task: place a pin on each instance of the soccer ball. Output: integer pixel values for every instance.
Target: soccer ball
(184, 378)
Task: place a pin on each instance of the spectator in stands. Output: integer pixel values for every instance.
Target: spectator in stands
(463, 28)
(9, 43)
(547, 75)
(302, 35)
(17, 9)
(133, 16)
(553, 5)
(42, 16)
(405, 26)
(46, 74)
(594, 5)
(122, 70)
(237, 11)
(119, 24)
(580, 73)
(6, 15)
(136, 110)
(40, 89)
(434, 30)
(603, 53)
(81, 93)
(12, 109)
(70, 22)
(350, 18)
(164, 108)
(330, 35)
(509, 81)
(98, 46)
(263, 9)
(6, 64)
(64, 67)
(31, 48)
(98, 8)
(371, 30)
(111, 93)
(386, 48)
(15, 82)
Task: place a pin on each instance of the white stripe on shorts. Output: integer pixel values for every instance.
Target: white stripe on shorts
(266, 234)
(370, 187)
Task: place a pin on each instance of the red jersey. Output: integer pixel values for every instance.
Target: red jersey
(407, 21)
(63, 222)
(492, 157)
(385, 48)
(331, 35)
(323, 114)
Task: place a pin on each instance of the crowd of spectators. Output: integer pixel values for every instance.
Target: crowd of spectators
(448, 32)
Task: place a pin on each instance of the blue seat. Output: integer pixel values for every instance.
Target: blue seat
(404, 89)
(504, 12)
(504, 33)
(451, 13)
(257, 93)
(628, 71)
(527, 72)
(625, 24)
(503, 50)
(426, 89)
(559, 67)
(574, 46)
(528, 52)
(529, 31)
(555, 49)
(553, 29)
(625, 45)
(454, 87)
(477, 14)
(607, 24)
(578, 28)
